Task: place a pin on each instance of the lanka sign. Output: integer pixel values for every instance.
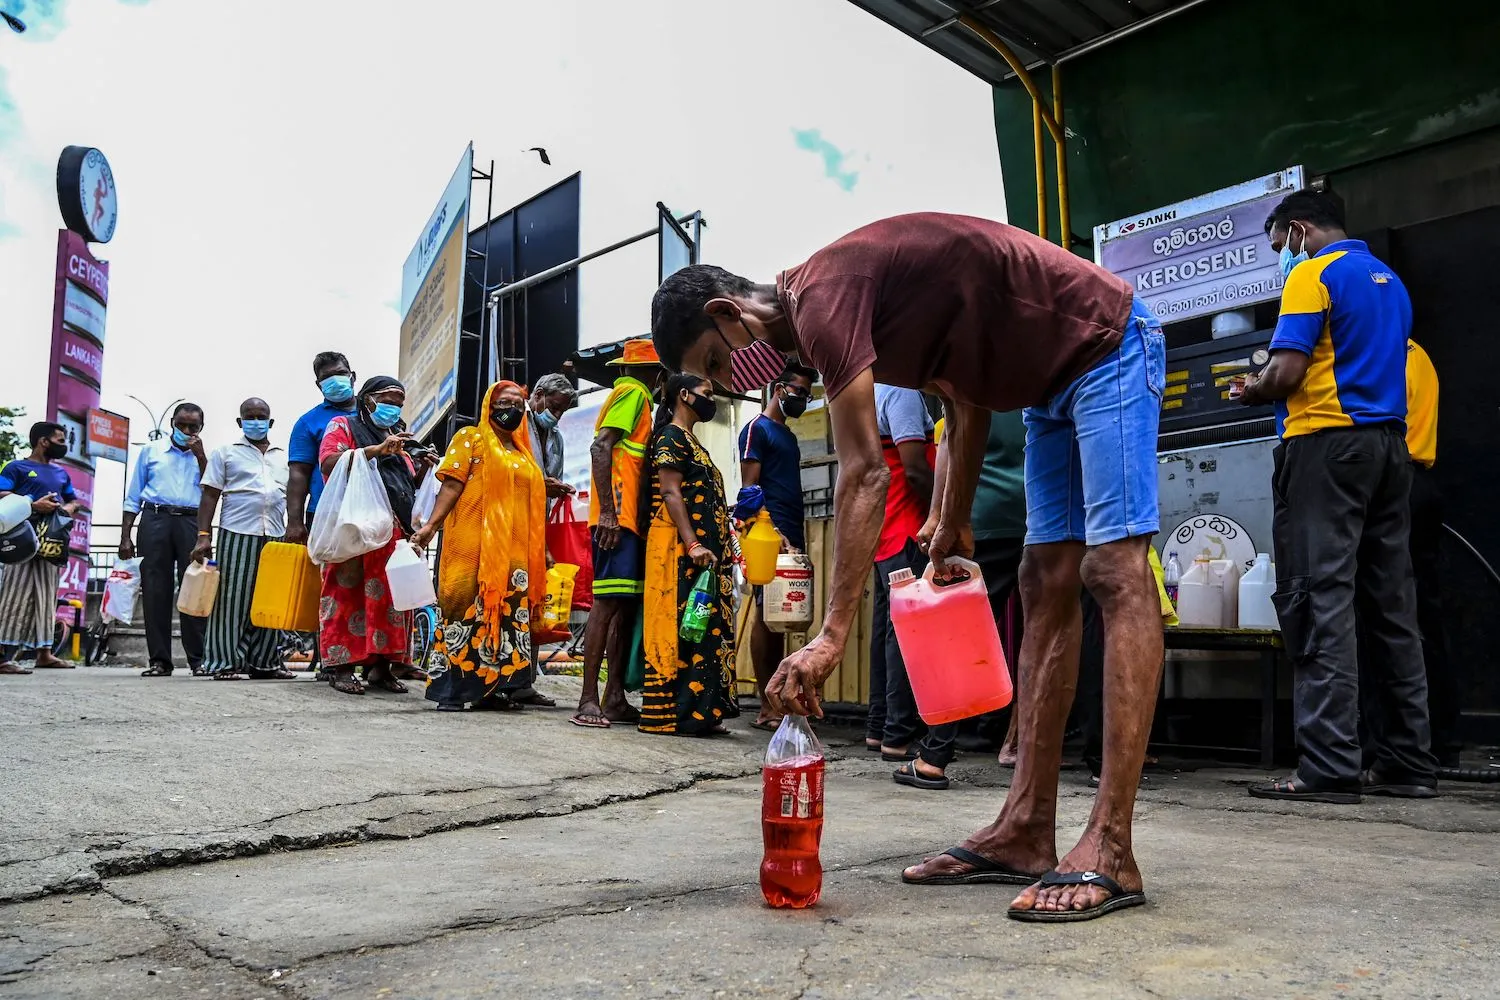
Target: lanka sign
(1202, 256)
(432, 288)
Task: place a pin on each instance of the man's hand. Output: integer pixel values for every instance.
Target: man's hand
(195, 446)
(1240, 387)
(296, 533)
(558, 488)
(794, 687)
(45, 505)
(946, 541)
(607, 531)
(203, 550)
(127, 549)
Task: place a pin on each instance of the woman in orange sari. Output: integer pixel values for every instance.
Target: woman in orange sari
(492, 573)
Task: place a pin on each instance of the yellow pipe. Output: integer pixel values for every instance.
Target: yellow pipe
(995, 42)
(1064, 219)
(1041, 170)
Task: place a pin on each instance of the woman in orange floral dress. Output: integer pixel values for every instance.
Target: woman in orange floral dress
(492, 572)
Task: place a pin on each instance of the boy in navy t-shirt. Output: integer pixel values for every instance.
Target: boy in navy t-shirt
(771, 460)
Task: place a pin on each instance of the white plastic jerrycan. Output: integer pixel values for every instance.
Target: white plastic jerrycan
(1200, 596)
(410, 580)
(1256, 588)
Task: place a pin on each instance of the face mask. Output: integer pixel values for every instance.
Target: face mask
(57, 450)
(794, 405)
(180, 439)
(507, 419)
(338, 388)
(704, 406)
(1288, 259)
(385, 415)
(752, 368)
(255, 430)
(547, 420)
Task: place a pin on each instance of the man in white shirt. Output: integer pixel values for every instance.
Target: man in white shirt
(250, 475)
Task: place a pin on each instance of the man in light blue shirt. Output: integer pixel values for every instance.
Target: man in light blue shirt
(164, 493)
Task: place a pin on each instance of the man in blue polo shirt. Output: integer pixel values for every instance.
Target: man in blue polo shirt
(771, 460)
(335, 380)
(1341, 480)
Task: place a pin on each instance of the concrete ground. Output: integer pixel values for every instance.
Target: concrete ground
(188, 838)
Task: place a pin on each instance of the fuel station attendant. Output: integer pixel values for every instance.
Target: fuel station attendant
(1341, 482)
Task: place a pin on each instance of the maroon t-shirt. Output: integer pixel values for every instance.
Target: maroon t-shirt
(978, 310)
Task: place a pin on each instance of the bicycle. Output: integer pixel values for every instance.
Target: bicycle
(424, 628)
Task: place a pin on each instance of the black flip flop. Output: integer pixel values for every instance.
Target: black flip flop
(1118, 899)
(907, 774)
(984, 872)
(1296, 790)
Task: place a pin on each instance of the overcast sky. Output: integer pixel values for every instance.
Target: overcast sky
(275, 160)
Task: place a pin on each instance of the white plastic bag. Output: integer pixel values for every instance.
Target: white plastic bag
(120, 591)
(421, 508)
(354, 514)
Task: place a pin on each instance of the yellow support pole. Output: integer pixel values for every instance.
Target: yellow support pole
(1064, 219)
(1041, 170)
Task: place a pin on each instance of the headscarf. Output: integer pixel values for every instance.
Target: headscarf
(498, 496)
(395, 470)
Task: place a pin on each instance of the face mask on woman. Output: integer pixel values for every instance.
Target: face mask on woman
(704, 406)
(507, 418)
(385, 415)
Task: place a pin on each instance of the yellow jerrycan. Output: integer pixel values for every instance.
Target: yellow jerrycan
(761, 547)
(287, 587)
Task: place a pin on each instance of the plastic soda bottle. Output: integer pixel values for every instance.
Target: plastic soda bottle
(1171, 577)
(791, 816)
(699, 605)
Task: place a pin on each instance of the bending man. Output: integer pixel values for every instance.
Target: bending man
(990, 318)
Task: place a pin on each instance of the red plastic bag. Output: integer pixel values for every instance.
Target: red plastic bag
(568, 541)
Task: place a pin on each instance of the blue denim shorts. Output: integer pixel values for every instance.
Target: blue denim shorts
(1091, 450)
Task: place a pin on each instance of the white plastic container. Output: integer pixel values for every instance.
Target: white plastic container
(787, 604)
(1200, 597)
(410, 580)
(1256, 588)
(200, 585)
(1228, 573)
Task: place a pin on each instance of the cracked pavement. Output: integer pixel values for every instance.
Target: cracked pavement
(181, 838)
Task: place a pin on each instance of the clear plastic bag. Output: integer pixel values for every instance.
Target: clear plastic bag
(427, 493)
(354, 514)
(120, 591)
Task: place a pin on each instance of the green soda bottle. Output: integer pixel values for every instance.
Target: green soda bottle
(699, 604)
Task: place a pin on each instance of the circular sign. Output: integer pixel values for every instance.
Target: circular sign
(86, 193)
(1212, 536)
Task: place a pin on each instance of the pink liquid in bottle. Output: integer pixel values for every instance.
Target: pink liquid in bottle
(791, 816)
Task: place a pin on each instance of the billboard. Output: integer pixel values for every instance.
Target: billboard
(79, 308)
(108, 436)
(1202, 256)
(432, 283)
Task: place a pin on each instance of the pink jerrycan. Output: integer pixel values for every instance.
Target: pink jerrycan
(950, 644)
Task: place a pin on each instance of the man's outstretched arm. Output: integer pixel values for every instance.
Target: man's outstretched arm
(858, 509)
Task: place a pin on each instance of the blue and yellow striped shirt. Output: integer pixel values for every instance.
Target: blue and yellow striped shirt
(1351, 315)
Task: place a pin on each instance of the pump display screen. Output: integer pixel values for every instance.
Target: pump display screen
(1198, 377)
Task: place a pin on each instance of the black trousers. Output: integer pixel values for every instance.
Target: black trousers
(893, 715)
(1341, 530)
(166, 544)
(1443, 698)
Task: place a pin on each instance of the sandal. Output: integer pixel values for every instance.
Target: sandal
(11, 667)
(385, 682)
(590, 720)
(408, 672)
(275, 674)
(982, 871)
(157, 670)
(495, 703)
(1295, 789)
(1118, 899)
(537, 700)
(347, 684)
(227, 675)
(907, 774)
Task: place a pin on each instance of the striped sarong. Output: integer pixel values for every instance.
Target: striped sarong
(232, 644)
(28, 603)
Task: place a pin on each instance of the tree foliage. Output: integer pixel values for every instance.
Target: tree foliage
(12, 442)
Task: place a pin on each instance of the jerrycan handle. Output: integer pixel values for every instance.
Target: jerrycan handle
(969, 566)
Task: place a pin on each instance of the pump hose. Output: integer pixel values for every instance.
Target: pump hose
(1483, 775)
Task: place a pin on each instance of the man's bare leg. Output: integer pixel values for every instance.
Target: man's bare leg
(1023, 836)
(766, 651)
(600, 636)
(1119, 577)
(616, 708)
